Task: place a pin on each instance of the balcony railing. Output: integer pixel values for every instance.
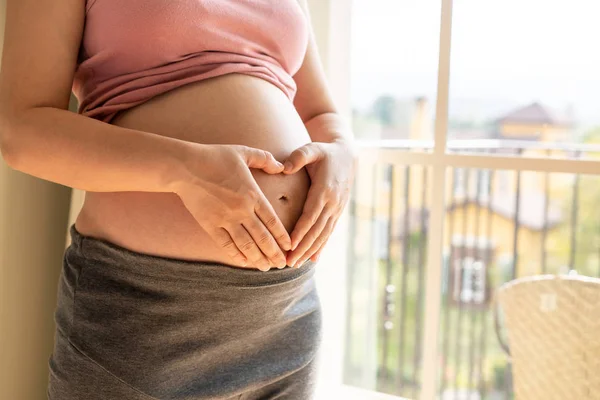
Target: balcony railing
(498, 225)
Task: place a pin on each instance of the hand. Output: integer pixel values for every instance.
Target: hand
(221, 194)
(331, 167)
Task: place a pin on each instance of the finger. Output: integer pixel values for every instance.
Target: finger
(317, 244)
(310, 237)
(312, 209)
(271, 221)
(317, 255)
(225, 241)
(244, 241)
(261, 159)
(309, 153)
(266, 242)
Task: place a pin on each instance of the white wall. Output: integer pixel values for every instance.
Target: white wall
(331, 25)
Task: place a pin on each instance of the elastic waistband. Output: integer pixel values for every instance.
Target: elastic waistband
(113, 255)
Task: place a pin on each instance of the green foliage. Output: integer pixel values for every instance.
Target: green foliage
(499, 374)
(587, 229)
(592, 136)
(383, 109)
(364, 126)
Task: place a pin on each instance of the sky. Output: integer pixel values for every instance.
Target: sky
(504, 53)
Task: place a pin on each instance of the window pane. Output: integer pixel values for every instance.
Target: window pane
(525, 71)
(498, 225)
(395, 47)
(386, 282)
(522, 224)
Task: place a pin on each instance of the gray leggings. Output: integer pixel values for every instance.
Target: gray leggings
(133, 326)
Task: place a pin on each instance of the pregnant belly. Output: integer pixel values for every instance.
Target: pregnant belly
(232, 109)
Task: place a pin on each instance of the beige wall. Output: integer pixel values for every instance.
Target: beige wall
(33, 218)
(529, 240)
(545, 132)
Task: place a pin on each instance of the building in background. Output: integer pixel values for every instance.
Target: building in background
(482, 205)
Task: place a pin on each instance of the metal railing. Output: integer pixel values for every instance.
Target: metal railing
(388, 271)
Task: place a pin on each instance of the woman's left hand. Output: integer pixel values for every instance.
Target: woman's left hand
(331, 167)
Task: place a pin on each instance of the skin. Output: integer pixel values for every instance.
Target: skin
(205, 189)
(330, 159)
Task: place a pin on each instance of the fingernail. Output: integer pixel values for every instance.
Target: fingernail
(288, 166)
(280, 165)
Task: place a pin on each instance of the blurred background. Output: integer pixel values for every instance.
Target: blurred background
(479, 134)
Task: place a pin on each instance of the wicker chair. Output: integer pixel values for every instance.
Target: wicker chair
(553, 329)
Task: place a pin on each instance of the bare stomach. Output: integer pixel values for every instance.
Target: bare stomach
(232, 109)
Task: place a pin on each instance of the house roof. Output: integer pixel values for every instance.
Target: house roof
(534, 113)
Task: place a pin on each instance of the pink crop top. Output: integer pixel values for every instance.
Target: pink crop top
(133, 50)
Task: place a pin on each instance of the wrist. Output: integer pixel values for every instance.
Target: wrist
(183, 163)
(328, 128)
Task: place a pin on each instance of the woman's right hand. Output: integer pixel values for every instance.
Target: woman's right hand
(222, 195)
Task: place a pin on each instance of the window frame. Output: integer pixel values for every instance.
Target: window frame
(439, 159)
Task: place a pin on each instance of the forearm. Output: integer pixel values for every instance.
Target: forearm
(83, 153)
(328, 127)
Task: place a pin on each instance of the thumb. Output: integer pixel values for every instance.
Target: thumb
(307, 154)
(261, 159)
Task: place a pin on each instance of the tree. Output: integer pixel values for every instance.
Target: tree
(384, 108)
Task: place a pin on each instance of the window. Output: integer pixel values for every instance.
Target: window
(394, 81)
(518, 109)
(527, 85)
(473, 282)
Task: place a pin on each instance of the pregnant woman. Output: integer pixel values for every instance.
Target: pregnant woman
(215, 167)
